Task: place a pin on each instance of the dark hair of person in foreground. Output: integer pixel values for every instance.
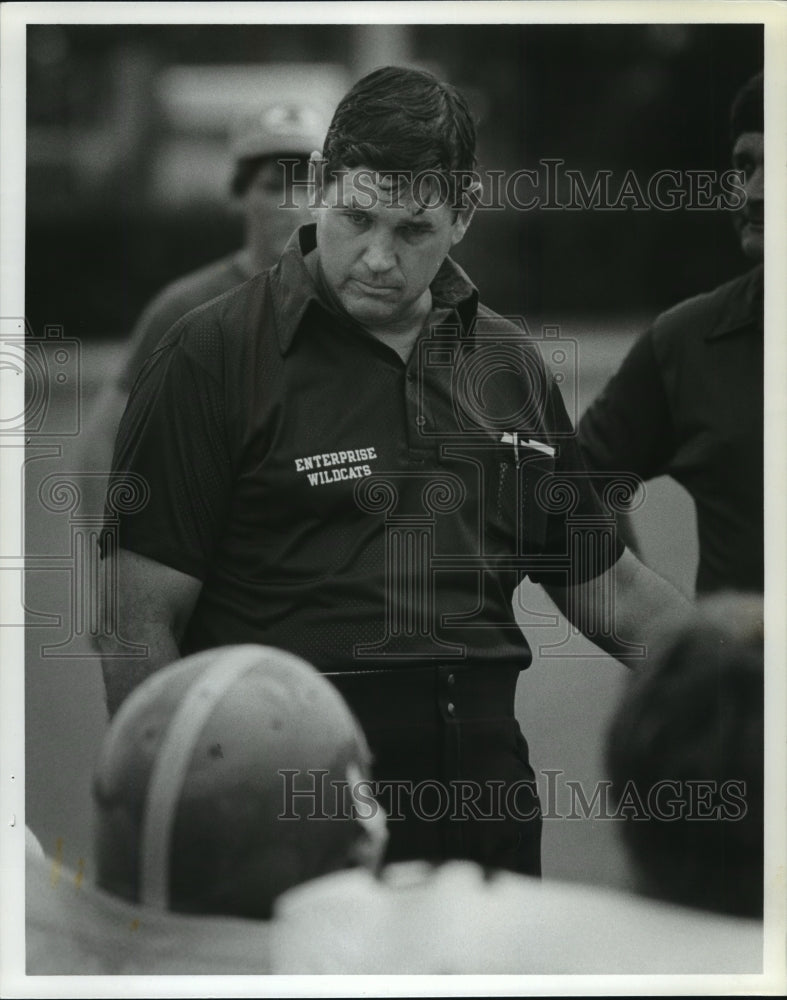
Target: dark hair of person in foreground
(685, 754)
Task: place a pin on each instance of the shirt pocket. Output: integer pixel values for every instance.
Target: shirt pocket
(535, 473)
(515, 490)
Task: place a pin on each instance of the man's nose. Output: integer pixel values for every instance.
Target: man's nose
(380, 254)
(755, 184)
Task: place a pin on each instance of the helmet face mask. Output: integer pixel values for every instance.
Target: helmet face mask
(228, 778)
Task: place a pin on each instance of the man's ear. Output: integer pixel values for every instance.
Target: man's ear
(316, 182)
(470, 199)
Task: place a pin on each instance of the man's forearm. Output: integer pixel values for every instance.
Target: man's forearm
(152, 608)
(627, 611)
(123, 673)
(646, 608)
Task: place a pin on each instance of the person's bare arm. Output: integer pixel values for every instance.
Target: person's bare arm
(98, 435)
(627, 606)
(96, 443)
(153, 607)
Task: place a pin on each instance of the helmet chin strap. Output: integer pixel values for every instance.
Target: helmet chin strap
(170, 767)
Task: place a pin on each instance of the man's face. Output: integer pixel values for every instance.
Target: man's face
(381, 245)
(747, 156)
(274, 206)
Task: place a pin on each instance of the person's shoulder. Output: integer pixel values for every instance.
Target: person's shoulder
(491, 326)
(75, 928)
(153, 329)
(457, 918)
(487, 320)
(229, 298)
(214, 338)
(703, 313)
(195, 288)
(221, 323)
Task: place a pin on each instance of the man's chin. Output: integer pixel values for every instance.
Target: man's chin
(366, 312)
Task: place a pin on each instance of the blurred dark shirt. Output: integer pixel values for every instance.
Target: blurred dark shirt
(688, 402)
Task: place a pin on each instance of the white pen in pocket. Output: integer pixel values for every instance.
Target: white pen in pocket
(513, 438)
(540, 446)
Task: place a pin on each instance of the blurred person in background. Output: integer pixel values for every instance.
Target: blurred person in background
(272, 198)
(687, 400)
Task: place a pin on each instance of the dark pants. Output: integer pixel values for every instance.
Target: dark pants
(450, 763)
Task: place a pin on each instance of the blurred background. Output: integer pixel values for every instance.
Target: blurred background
(128, 173)
(127, 188)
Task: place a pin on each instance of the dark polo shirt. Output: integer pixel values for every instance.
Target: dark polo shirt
(688, 402)
(176, 300)
(339, 503)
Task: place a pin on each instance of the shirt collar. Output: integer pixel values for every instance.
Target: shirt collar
(294, 289)
(741, 310)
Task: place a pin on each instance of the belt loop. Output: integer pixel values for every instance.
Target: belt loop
(450, 711)
(447, 693)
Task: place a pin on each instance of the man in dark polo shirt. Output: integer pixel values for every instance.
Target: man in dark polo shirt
(350, 458)
(688, 399)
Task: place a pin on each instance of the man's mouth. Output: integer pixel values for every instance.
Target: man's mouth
(754, 224)
(375, 289)
(754, 218)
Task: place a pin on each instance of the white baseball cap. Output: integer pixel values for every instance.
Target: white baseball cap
(287, 127)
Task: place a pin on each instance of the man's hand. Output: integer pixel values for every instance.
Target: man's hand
(154, 606)
(627, 606)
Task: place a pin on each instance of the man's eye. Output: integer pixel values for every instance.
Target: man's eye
(356, 218)
(415, 232)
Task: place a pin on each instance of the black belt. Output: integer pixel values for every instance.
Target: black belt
(423, 694)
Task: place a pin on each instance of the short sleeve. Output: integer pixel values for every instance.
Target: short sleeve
(170, 305)
(580, 542)
(629, 427)
(148, 332)
(173, 436)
